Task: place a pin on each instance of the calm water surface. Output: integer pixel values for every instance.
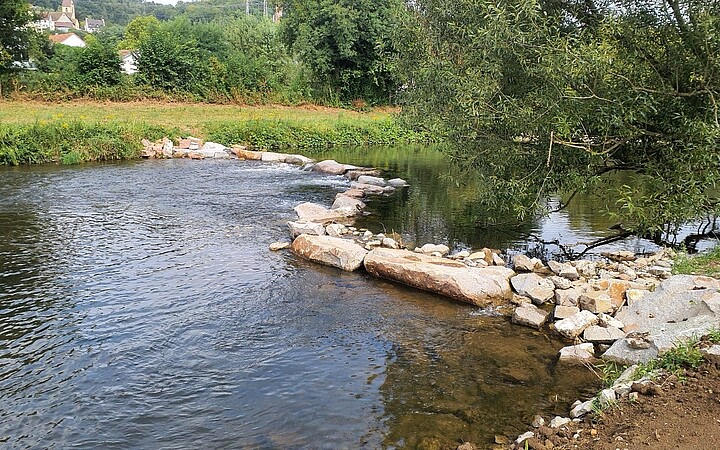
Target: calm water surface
(140, 308)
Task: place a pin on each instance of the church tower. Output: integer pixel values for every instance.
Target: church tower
(68, 7)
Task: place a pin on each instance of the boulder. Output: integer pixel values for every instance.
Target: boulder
(587, 269)
(607, 397)
(574, 325)
(397, 182)
(190, 143)
(429, 249)
(350, 203)
(563, 312)
(298, 228)
(274, 157)
(581, 353)
(497, 260)
(568, 297)
(275, 246)
(330, 251)
(596, 302)
(243, 153)
(214, 150)
(312, 212)
(336, 230)
(524, 264)
(602, 335)
(367, 189)
(478, 286)
(375, 181)
(298, 159)
(564, 270)
(532, 285)
(682, 307)
(390, 243)
(529, 315)
(560, 282)
(332, 167)
(354, 193)
(582, 408)
(619, 256)
(354, 174)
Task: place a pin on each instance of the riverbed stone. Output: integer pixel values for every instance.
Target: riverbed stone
(350, 203)
(557, 421)
(497, 260)
(581, 409)
(312, 212)
(529, 315)
(633, 295)
(273, 157)
(602, 335)
(574, 325)
(596, 302)
(523, 263)
(330, 251)
(587, 269)
(532, 285)
(606, 320)
(397, 182)
(390, 243)
(568, 297)
(243, 153)
(298, 228)
(331, 167)
(607, 397)
(564, 270)
(368, 189)
(560, 282)
(580, 353)
(563, 312)
(335, 230)
(681, 307)
(488, 286)
(275, 246)
(429, 249)
(354, 174)
(375, 181)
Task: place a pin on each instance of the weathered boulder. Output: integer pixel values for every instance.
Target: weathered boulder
(568, 297)
(213, 150)
(529, 315)
(429, 249)
(581, 353)
(273, 157)
(602, 335)
(564, 270)
(563, 312)
(560, 282)
(298, 228)
(574, 325)
(312, 212)
(397, 182)
(478, 286)
(350, 203)
(190, 143)
(681, 307)
(332, 167)
(354, 193)
(522, 263)
(330, 251)
(368, 189)
(587, 269)
(623, 255)
(336, 229)
(375, 181)
(596, 302)
(298, 159)
(243, 153)
(354, 174)
(532, 285)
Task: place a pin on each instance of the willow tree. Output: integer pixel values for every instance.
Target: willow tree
(547, 96)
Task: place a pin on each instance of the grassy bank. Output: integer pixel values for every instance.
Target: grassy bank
(35, 132)
(707, 263)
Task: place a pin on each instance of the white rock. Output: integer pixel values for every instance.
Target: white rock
(568, 297)
(397, 182)
(539, 289)
(460, 255)
(344, 201)
(336, 229)
(525, 264)
(601, 335)
(368, 188)
(375, 181)
(497, 260)
(477, 255)
(524, 437)
(432, 248)
(275, 246)
(329, 166)
(298, 228)
(529, 315)
(574, 325)
(390, 243)
(331, 251)
(633, 295)
(607, 397)
(587, 269)
(558, 421)
(580, 353)
(561, 283)
(582, 409)
(596, 302)
(606, 320)
(563, 312)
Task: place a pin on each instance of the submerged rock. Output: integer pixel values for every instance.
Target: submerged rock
(375, 181)
(478, 286)
(332, 167)
(581, 353)
(275, 246)
(529, 315)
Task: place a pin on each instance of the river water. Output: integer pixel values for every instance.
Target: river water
(140, 308)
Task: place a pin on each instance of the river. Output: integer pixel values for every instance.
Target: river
(141, 308)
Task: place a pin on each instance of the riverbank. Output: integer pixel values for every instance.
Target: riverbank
(75, 132)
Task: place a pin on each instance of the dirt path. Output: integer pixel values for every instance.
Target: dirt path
(684, 416)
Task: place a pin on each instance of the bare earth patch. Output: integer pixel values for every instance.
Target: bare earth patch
(684, 416)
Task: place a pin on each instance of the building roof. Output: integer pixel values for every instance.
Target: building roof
(67, 3)
(60, 38)
(95, 22)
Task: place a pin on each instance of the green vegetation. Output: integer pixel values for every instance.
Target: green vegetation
(38, 132)
(707, 263)
(548, 96)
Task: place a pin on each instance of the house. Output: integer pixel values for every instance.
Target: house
(62, 22)
(69, 39)
(128, 63)
(93, 25)
(45, 23)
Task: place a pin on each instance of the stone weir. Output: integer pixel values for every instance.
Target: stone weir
(623, 308)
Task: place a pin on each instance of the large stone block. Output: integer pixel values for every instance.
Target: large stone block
(330, 251)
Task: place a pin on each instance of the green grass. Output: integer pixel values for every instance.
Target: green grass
(75, 132)
(707, 263)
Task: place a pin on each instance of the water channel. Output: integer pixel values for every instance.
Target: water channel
(140, 308)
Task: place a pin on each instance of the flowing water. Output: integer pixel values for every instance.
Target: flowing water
(140, 308)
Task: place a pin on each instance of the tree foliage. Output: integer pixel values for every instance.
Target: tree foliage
(14, 36)
(346, 43)
(548, 95)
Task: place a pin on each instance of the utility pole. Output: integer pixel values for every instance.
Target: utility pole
(264, 8)
(247, 7)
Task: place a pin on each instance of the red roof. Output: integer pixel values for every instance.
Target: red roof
(67, 3)
(60, 38)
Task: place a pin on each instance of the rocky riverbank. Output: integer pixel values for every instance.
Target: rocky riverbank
(623, 308)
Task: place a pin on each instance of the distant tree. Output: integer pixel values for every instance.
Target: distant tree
(166, 62)
(138, 30)
(346, 43)
(98, 64)
(14, 35)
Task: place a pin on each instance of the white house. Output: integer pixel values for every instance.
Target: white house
(69, 39)
(93, 25)
(128, 64)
